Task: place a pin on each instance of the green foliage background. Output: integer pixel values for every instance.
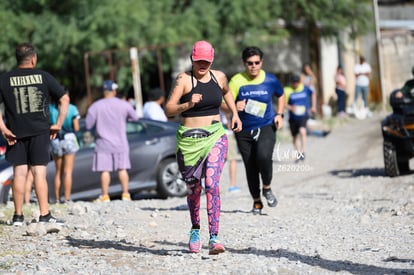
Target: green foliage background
(64, 30)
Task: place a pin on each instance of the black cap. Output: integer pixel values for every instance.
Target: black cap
(294, 78)
(155, 94)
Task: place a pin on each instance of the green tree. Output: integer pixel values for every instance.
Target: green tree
(64, 30)
(326, 18)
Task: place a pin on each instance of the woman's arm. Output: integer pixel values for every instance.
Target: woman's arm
(173, 106)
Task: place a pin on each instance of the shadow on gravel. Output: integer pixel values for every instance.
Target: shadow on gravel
(316, 260)
(184, 207)
(352, 173)
(372, 172)
(124, 246)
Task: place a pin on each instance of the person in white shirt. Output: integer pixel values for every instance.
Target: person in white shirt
(152, 108)
(362, 72)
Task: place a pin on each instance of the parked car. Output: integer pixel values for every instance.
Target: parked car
(398, 135)
(153, 164)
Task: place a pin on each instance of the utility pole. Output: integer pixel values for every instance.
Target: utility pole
(379, 52)
(136, 78)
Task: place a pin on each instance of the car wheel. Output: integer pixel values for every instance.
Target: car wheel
(169, 180)
(390, 160)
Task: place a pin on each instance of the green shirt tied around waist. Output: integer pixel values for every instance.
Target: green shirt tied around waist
(194, 149)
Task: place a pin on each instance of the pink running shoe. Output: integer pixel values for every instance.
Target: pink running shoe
(194, 244)
(215, 246)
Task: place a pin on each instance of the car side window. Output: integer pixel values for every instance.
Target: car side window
(134, 128)
(154, 129)
(87, 139)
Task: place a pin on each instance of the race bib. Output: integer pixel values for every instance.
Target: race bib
(255, 108)
(300, 110)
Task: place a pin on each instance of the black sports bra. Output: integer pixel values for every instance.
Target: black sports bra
(212, 98)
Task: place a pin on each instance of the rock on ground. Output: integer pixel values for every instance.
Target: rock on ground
(337, 213)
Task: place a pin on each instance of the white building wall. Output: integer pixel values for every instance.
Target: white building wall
(398, 60)
(328, 65)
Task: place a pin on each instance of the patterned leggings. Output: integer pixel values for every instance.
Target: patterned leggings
(213, 168)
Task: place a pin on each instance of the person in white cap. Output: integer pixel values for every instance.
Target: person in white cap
(201, 139)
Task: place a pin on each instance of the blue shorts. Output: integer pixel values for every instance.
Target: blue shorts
(66, 146)
(110, 161)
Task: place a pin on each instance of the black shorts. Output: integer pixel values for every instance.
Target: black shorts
(295, 125)
(32, 150)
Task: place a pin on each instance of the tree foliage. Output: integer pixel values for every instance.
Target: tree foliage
(64, 30)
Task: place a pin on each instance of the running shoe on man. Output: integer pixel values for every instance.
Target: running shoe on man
(18, 220)
(100, 199)
(50, 219)
(271, 199)
(257, 208)
(126, 197)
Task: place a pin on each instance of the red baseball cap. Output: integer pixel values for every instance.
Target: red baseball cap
(202, 50)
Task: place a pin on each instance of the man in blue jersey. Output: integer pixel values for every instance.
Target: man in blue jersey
(253, 91)
(300, 102)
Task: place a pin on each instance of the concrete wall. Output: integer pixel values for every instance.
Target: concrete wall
(329, 63)
(398, 59)
(397, 12)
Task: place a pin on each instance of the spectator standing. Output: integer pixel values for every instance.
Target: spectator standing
(233, 151)
(253, 91)
(340, 90)
(201, 139)
(362, 72)
(112, 148)
(298, 95)
(64, 148)
(25, 92)
(153, 107)
(308, 77)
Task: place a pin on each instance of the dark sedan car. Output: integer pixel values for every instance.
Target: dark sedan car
(153, 164)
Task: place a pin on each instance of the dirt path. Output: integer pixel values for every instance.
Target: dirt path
(337, 214)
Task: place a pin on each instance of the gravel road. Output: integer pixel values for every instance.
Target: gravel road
(337, 214)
